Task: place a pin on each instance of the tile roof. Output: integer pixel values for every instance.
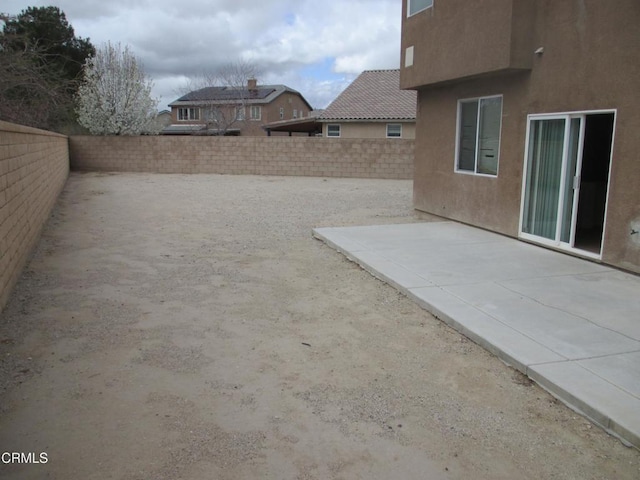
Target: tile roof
(374, 95)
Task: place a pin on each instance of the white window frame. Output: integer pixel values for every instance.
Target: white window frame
(329, 130)
(399, 125)
(241, 114)
(478, 128)
(256, 112)
(281, 113)
(413, 10)
(188, 114)
(295, 113)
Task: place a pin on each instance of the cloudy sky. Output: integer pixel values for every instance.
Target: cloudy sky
(315, 47)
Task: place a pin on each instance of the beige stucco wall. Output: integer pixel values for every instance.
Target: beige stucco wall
(303, 156)
(34, 165)
(370, 129)
(461, 39)
(591, 61)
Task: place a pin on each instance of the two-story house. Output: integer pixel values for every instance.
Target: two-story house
(222, 110)
(528, 119)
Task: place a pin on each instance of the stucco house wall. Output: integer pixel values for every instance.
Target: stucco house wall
(370, 129)
(546, 57)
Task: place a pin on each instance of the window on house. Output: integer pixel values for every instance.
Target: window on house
(256, 113)
(295, 113)
(333, 130)
(281, 113)
(188, 114)
(240, 113)
(394, 130)
(478, 144)
(415, 6)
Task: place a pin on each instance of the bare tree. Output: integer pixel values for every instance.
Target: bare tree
(115, 95)
(29, 95)
(223, 95)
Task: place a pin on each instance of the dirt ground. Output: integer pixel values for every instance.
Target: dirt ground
(190, 327)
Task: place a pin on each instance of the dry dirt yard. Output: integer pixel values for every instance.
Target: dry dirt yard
(190, 327)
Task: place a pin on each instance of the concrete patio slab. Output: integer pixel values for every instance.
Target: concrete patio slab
(572, 325)
(512, 346)
(561, 331)
(607, 299)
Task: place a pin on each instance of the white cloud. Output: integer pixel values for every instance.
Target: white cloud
(287, 38)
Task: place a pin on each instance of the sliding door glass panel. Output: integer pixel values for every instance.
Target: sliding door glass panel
(570, 183)
(544, 171)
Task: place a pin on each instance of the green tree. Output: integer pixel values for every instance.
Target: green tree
(41, 63)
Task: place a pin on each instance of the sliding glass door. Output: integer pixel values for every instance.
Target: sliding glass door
(551, 168)
(559, 147)
(544, 171)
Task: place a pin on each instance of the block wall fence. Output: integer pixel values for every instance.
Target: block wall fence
(300, 156)
(34, 166)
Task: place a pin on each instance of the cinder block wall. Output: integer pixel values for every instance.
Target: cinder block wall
(34, 166)
(301, 156)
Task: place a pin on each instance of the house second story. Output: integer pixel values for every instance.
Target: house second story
(450, 40)
(561, 50)
(222, 110)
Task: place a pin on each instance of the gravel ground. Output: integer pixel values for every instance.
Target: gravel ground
(190, 327)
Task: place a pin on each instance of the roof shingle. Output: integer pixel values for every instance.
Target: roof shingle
(374, 95)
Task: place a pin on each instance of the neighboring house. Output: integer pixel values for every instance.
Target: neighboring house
(529, 113)
(373, 106)
(235, 111)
